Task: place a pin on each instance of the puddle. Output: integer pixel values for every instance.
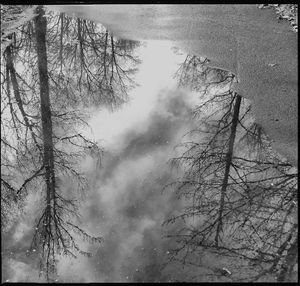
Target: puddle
(142, 140)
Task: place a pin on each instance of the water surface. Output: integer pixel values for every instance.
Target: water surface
(130, 117)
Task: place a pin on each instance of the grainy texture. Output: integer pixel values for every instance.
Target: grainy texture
(253, 43)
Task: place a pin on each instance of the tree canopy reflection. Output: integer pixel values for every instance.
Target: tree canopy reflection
(241, 195)
(54, 69)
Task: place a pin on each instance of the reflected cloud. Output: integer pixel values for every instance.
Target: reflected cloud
(226, 171)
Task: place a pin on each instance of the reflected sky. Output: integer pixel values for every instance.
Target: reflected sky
(124, 203)
(154, 77)
(156, 95)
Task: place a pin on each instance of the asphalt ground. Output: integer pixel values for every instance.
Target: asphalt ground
(253, 43)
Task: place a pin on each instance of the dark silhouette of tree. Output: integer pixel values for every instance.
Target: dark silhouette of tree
(242, 195)
(228, 160)
(41, 145)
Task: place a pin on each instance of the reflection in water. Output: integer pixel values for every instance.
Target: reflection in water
(54, 66)
(242, 195)
(237, 196)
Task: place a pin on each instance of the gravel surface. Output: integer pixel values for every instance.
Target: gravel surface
(287, 12)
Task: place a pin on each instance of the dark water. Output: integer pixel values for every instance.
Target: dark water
(161, 159)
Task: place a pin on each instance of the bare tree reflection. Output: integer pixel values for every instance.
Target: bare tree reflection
(242, 195)
(91, 63)
(45, 83)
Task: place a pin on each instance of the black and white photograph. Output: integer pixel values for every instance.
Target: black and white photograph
(149, 143)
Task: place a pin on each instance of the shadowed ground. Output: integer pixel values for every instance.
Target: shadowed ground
(248, 41)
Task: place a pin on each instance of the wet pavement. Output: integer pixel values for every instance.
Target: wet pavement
(252, 43)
